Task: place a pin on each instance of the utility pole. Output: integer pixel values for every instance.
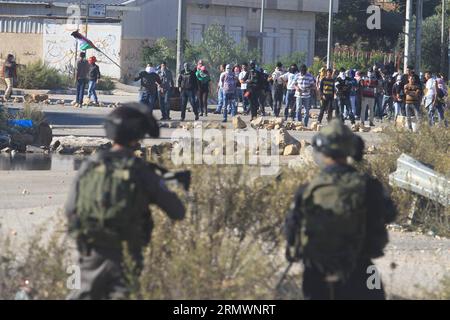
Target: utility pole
(406, 54)
(448, 54)
(443, 35)
(261, 31)
(419, 20)
(180, 33)
(330, 34)
(87, 17)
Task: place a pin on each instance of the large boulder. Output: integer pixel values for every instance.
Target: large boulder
(283, 139)
(291, 150)
(39, 97)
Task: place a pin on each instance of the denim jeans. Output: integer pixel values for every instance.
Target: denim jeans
(148, 99)
(398, 108)
(353, 104)
(290, 99)
(164, 103)
(188, 95)
(81, 86)
(300, 103)
(440, 111)
(277, 101)
(367, 102)
(245, 101)
(412, 107)
(91, 90)
(388, 100)
(230, 102)
(378, 107)
(220, 100)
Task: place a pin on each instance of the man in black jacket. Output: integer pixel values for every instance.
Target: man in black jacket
(254, 80)
(187, 82)
(149, 86)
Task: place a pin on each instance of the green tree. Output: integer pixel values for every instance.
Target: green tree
(162, 50)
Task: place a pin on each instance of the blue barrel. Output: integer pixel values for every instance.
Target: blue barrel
(24, 123)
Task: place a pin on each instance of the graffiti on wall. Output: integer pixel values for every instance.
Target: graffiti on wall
(60, 48)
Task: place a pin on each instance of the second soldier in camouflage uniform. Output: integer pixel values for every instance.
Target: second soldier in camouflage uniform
(337, 222)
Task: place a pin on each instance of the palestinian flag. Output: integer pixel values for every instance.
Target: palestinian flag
(85, 42)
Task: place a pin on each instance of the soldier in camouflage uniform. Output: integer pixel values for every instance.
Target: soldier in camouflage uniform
(336, 224)
(108, 205)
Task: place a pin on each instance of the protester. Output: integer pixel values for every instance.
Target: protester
(412, 92)
(439, 104)
(278, 89)
(343, 88)
(165, 90)
(187, 82)
(220, 95)
(10, 74)
(254, 80)
(148, 92)
(242, 75)
(398, 96)
(203, 89)
(304, 84)
(94, 76)
(368, 86)
(326, 92)
(289, 78)
(82, 78)
(228, 80)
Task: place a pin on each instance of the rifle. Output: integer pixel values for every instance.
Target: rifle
(182, 177)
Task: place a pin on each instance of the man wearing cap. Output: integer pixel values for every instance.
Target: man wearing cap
(336, 224)
(94, 76)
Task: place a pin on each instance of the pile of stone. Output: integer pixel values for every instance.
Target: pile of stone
(273, 124)
(78, 145)
(36, 98)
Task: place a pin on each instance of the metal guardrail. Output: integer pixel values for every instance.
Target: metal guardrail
(414, 176)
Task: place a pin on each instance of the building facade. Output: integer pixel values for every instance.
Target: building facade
(40, 30)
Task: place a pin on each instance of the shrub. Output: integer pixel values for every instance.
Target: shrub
(41, 76)
(42, 261)
(430, 146)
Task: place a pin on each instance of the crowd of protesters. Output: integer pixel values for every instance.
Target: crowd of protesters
(364, 96)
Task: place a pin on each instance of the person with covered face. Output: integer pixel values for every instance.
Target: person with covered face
(229, 80)
(188, 84)
(9, 73)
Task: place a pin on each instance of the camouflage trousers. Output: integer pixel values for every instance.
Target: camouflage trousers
(355, 288)
(101, 278)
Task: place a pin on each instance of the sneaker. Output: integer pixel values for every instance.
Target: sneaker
(201, 114)
(371, 124)
(196, 117)
(224, 120)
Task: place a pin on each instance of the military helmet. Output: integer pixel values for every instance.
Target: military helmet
(130, 122)
(336, 140)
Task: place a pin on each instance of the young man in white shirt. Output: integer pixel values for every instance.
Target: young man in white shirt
(289, 78)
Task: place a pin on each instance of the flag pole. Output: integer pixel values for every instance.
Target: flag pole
(110, 59)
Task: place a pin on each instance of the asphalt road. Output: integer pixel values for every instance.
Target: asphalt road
(88, 121)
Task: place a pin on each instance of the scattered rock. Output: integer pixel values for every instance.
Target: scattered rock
(304, 144)
(355, 127)
(25, 191)
(55, 145)
(257, 123)
(174, 124)
(6, 150)
(377, 130)
(364, 129)
(238, 123)
(64, 150)
(37, 98)
(62, 102)
(18, 100)
(314, 126)
(371, 149)
(283, 139)
(73, 103)
(291, 150)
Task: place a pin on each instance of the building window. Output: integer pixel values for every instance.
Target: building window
(269, 45)
(236, 33)
(303, 41)
(285, 42)
(196, 33)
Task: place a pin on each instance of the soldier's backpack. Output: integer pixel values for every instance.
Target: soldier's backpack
(333, 230)
(110, 204)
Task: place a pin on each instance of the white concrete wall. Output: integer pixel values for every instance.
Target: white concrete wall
(299, 26)
(59, 46)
